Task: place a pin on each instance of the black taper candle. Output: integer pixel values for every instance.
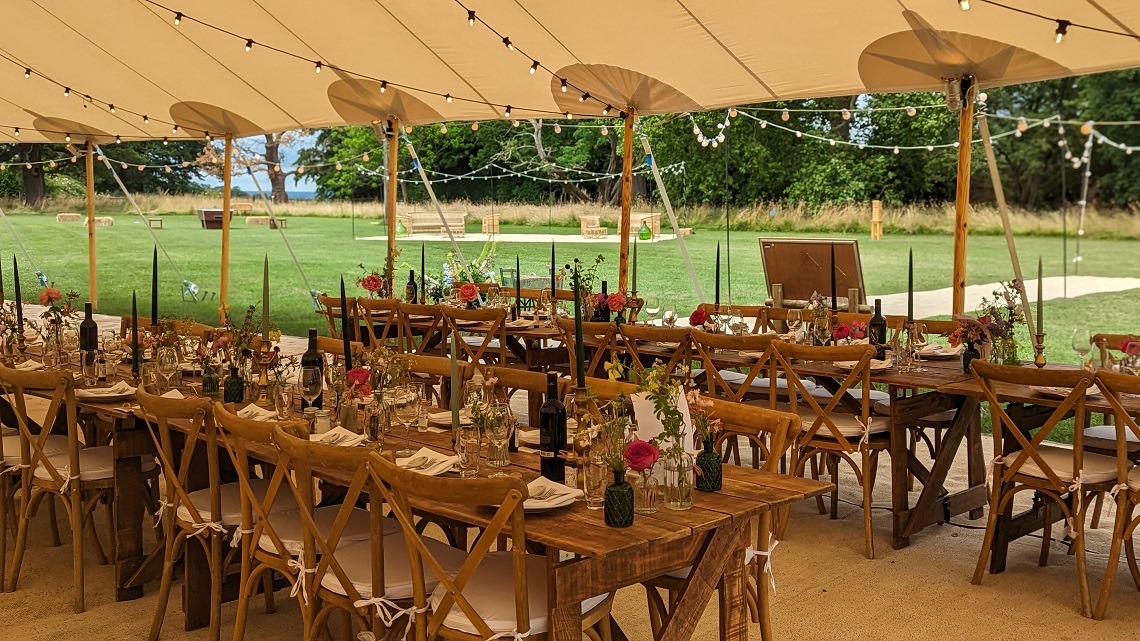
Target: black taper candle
(553, 272)
(154, 289)
(518, 286)
(344, 328)
(717, 299)
(423, 270)
(19, 300)
(910, 286)
(135, 334)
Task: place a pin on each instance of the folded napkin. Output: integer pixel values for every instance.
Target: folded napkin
(876, 365)
(522, 323)
(114, 391)
(563, 495)
(338, 436)
(437, 463)
(254, 413)
(935, 349)
(744, 353)
(444, 418)
(29, 365)
(175, 394)
(534, 437)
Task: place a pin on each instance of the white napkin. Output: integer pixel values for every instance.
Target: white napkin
(521, 323)
(118, 389)
(338, 436)
(534, 437)
(936, 349)
(175, 394)
(745, 353)
(441, 464)
(254, 413)
(565, 494)
(29, 365)
(876, 365)
(444, 418)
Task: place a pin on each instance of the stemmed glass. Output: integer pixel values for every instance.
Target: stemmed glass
(669, 319)
(916, 340)
(652, 308)
(795, 324)
(312, 384)
(736, 323)
(493, 296)
(167, 364)
(70, 341)
(502, 425)
(1082, 344)
(112, 351)
(405, 401)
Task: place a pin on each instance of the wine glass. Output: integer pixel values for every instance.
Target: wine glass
(69, 341)
(669, 319)
(795, 324)
(1082, 343)
(405, 402)
(312, 384)
(652, 308)
(917, 343)
(167, 364)
(502, 426)
(493, 296)
(112, 351)
(736, 322)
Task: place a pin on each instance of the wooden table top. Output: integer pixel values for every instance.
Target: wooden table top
(1018, 393)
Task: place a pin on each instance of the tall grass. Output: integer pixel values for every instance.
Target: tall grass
(937, 218)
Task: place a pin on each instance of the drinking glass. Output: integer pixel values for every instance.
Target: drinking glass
(597, 475)
(69, 342)
(283, 401)
(917, 342)
(652, 308)
(88, 360)
(499, 434)
(112, 351)
(425, 391)
(404, 401)
(795, 324)
(467, 447)
(167, 364)
(669, 319)
(1082, 344)
(736, 323)
(493, 296)
(376, 418)
(312, 384)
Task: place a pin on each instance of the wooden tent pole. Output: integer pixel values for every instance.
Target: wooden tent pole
(224, 287)
(626, 201)
(962, 197)
(390, 201)
(89, 164)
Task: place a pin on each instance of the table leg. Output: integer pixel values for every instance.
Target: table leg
(900, 455)
(129, 444)
(565, 608)
(975, 459)
(733, 608)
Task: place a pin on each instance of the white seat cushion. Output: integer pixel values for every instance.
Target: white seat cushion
(231, 501)
(95, 464)
(475, 341)
(876, 396)
(1097, 467)
(760, 383)
(1134, 479)
(55, 445)
(356, 561)
(288, 527)
(848, 425)
(491, 593)
(1103, 437)
(683, 573)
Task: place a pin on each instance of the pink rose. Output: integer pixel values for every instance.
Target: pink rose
(219, 344)
(841, 332)
(600, 300)
(49, 296)
(358, 376)
(616, 302)
(698, 317)
(641, 455)
(468, 292)
(372, 283)
(1130, 347)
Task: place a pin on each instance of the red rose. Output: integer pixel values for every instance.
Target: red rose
(1130, 347)
(49, 296)
(698, 317)
(372, 283)
(641, 455)
(468, 292)
(357, 376)
(841, 332)
(616, 302)
(858, 330)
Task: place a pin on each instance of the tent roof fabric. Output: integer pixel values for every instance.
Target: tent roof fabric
(651, 56)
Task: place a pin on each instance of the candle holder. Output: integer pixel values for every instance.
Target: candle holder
(21, 345)
(261, 362)
(576, 458)
(1039, 349)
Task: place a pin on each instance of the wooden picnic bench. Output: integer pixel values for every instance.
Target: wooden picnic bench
(428, 221)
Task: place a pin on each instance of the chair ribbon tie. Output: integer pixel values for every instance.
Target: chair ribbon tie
(389, 612)
(767, 567)
(12, 469)
(67, 479)
(300, 586)
(1116, 489)
(866, 438)
(235, 542)
(204, 528)
(996, 463)
(162, 507)
(514, 634)
(1077, 492)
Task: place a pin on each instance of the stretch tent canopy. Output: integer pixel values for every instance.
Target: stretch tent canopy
(645, 56)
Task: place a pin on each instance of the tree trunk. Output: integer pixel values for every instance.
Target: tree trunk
(273, 161)
(34, 189)
(576, 193)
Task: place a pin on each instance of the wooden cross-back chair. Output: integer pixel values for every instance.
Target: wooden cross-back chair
(670, 346)
(380, 318)
(487, 343)
(1114, 386)
(189, 512)
(81, 477)
(337, 540)
(754, 315)
(468, 602)
(435, 373)
(257, 535)
(1026, 462)
(775, 433)
(510, 380)
(428, 327)
(832, 430)
(329, 307)
(735, 382)
(1107, 344)
(599, 340)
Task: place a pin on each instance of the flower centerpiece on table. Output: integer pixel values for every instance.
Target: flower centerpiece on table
(1130, 359)
(353, 389)
(820, 318)
(9, 331)
(469, 294)
(613, 435)
(617, 303)
(666, 392)
(388, 368)
(1001, 315)
(641, 456)
(700, 319)
(974, 333)
(586, 278)
(60, 309)
(706, 429)
(849, 333)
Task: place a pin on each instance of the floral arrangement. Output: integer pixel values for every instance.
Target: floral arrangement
(698, 318)
(614, 432)
(9, 329)
(59, 308)
(587, 275)
(468, 293)
(853, 331)
(282, 367)
(166, 336)
(480, 270)
(1003, 313)
(615, 369)
(373, 283)
(1130, 347)
(641, 455)
(356, 385)
(664, 391)
(388, 367)
(705, 426)
(971, 331)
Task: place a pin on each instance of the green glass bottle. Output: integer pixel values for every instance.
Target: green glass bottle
(235, 387)
(643, 232)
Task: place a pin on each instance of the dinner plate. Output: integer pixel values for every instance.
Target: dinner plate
(1062, 392)
(935, 352)
(877, 366)
(533, 507)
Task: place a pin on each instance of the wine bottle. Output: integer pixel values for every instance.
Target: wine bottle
(552, 432)
(88, 331)
(602, 312)
(410, 289)
(877, 331)
(313, 358)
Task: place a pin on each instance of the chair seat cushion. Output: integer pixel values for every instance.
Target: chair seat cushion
(95, 464)
(876, 396)
(1097, 467)
(54, 446)
(476, 341)
(760, 383)
(231, 501)
(848, 425)
(356, 561)
(1102, 437)
(491, 592)
(683, 573)
(289, 528)
(1134, 479)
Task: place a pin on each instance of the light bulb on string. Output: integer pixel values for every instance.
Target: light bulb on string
(799, 134)
(384, 86)
(584, 97)
(1062, 29)
(1016, 133)
(696, 130)
(714, 144)
(557, 128)
(785, 116)
(185, 164)
(533, 66)
(1060, 129)
(964, 4)
(166, 169)
(146, 120)
(1022, 125)
(364, 157)
(165, 141)
(720, 138)
(605, 130)
(443, 129)
(831, 142)
(732, 112)
(142, 167)
(1068, 155)
(338, 166)
(301, 169)
(1128, 151)
(474, 126)
(720, 125)
(763, 124)
(27, 72)
(317, 67)
(563, 85)
(846, 114)
(66, 91)
(930, 147)
(118, 140)
(177, 18)
(1087, 128)
(123, 165)
(27, 165)
(1061, 143)
(606, 111)
(1046, 122)
(569, 116)
(896, 150)
(507, 112)
(704, 143)
(249, 44)
(447, 97)
(111, 107)
(470, 18)
(515, 123)
(51, 164)
(507, 44)
(911, 111)
(67, 137)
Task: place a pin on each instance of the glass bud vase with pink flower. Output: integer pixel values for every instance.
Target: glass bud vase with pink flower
(708, 462)
(618, 508)
(641, 456)
(357, 387)
(666, 394)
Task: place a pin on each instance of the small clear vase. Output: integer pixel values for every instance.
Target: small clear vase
(1009, 352)
(678, 486)
(645, 492)
(347, 416)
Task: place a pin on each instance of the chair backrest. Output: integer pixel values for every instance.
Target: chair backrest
(428, 326)
(195, 417)
(33, 438)
(598, 341)
(672, 346)
(1113, 385)
(400, 488)
(1108, 343)
(329, 307)
(488, 323)
(858, 356)
(721, 352)
(993, 378)
(772, 432)
(508, 276)
(335, 346)
(755, 315)
(381, 320)
(509, 380)
(238, 435)
(302, 456)
(435, 371)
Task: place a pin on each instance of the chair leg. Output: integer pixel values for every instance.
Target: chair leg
(267, 589)
(1046, 534)
(21, 535)
(991, 527)
(763, 594)
(173, 545)
(53, 522)
(833, 471)
(868, 530)
(814, 462)
(1113, 557)
(657, 610)
(913, 445)
(217, 574)
(244, 588)
(77, 547)
(1082, 569)
(89, 525)
(1096, 511)
(5, 492)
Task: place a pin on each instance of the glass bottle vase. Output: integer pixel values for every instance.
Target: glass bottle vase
(619, 504)
(678, 486)
(645, 491)
(709, 477)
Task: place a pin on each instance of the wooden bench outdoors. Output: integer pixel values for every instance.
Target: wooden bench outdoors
(272, 222)
(68, 218)
(104, 221)
(154, 223)
(424, 221)
(592, 227)
(491, 224)
(652, 220)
